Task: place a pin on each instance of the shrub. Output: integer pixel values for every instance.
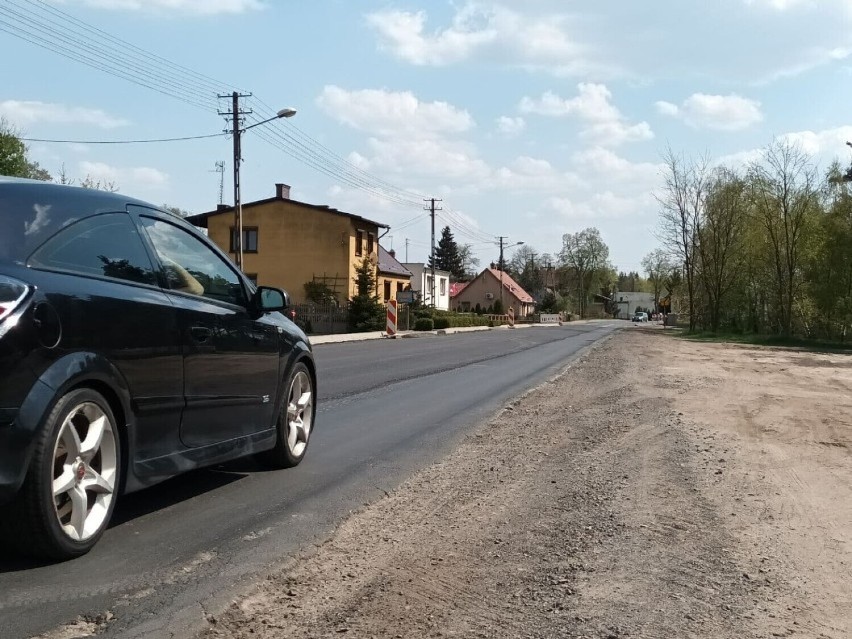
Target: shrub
(442, 322)
(424, 324)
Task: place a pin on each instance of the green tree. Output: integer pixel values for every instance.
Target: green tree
(785, 192)
(682, 209)
(447, 256)
(365, 311)
(177, 211)
(657, 265)
(720, 244)
(587, 256)
(14, 160)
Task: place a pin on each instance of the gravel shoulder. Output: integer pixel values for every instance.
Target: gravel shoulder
(657, 488)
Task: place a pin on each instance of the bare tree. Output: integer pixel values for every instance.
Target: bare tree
(721, 240)
(658, 266)
(588, 256)
(785, 191)
(682, 206)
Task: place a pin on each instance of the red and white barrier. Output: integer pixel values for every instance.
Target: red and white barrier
(392, 313)
(511, 317)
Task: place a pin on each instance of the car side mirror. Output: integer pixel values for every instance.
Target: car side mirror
(268, 299)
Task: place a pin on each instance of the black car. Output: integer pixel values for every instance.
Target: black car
(131, 350)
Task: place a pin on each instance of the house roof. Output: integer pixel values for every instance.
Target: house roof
(389, 264)
(201, 218)
(511, 285)
(457, 287)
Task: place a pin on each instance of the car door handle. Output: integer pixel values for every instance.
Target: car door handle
(200, 334)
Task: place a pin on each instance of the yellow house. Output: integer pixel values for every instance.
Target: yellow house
(287, 243)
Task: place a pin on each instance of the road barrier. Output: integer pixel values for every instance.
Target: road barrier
(392, 315)
(511, 317)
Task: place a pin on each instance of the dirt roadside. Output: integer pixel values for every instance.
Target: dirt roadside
(658, 488)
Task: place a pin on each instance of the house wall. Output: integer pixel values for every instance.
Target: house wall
(629, 301)
(396, 282)
(421, 278)
(296, 243)
(479, 289)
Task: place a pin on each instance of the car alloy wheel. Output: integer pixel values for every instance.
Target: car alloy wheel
(85, 471)
(300, 413)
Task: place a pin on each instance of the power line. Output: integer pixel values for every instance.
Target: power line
(181, 139)
(46, 26)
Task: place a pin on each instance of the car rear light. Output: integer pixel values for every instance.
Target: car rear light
(12, 293)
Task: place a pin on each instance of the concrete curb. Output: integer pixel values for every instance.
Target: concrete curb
(361, 337)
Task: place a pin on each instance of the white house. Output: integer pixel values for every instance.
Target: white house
(421, 281)
(628, 302)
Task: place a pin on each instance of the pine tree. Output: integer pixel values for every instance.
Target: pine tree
(365, 310)
(448, 256)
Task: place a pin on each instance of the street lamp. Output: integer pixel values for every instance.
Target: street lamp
(238, 205)
(502, 265)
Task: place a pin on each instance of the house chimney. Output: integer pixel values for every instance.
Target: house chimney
(222, 207)
(392, 253)
(282, 191)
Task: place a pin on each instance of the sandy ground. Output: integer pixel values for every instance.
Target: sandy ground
(658, 488)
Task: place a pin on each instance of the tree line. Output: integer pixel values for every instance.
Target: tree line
(763, 249)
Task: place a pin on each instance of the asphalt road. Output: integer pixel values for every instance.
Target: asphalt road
(182, 549)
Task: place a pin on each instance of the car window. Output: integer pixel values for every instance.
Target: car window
(190, 266)
(103, 245)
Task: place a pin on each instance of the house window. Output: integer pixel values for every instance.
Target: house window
(359, 243)
(443, 285)
(249, 239)
(399, 287)
(387, 290)
(370, 243)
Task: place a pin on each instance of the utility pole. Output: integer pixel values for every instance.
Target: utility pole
(235, 114)
(432, 210)
(501, 266)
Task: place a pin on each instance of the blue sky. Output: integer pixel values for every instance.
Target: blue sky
(528, 119)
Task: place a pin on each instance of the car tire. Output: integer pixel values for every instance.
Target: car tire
(71, 487)
(295, 422)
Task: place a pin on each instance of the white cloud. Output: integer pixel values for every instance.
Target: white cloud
(780, 5)
(489, 30)
(25, 112)
(605, 123)
(127, 178)
(196, 7)
(510, 126)
(388, 113)
(600, 166)
(402, 33)
(526, 174)
(768, 40)
(718, 112)
(592, 103)
(823, 146)
(604, 205)
(429, 158)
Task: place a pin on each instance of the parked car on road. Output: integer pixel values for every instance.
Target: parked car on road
(640, 317)
(131, 350)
